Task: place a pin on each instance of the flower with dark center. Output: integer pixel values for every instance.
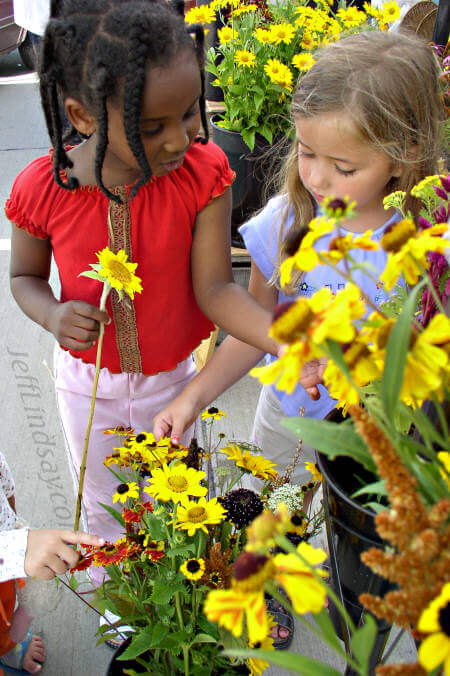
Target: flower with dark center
(193, 569)
(213, 413)
(291, 320)
(242, 505)
(337, 208)
(397, 234)
(434, 651)
(125, 491)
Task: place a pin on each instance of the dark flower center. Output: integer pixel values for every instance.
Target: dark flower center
(296, 520)
(336, 204)
(140, 438)
(248, 564)
(193, 566)
(215, 578)
(123, 488)
(444, 619)
(213, 410)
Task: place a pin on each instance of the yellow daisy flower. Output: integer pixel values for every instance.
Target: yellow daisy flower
(370, 10)
(202, 14)
(434, 651)
(390, 11)
(193, 516)
(312, 467)
(244, 9)
(263, 35)
(213, 413)
(256, 464)
(308, 42)
(193, 569)
(282, 32)
(245, 58)
(226, 34)
(116, 269)
(407, 250)
(175, 483)
(125, 491)
(351, 16)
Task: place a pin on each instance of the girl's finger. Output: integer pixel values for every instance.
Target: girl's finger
(77, 345)
(78, 538)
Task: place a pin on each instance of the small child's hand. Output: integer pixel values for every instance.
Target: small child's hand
(312, 375)
(76, 324)
(175, 418)
(49, 553)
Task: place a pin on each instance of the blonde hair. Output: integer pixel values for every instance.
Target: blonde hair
(388, 84)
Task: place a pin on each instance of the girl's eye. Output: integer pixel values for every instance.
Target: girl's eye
(345, 172)
(303, 154)
(151, 132)
(194, 111)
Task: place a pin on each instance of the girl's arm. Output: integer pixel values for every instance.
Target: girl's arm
(75, 324)
(232, 360)
(221, 299)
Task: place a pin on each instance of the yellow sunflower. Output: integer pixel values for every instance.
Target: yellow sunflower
(435, 621)
(256, 464)
(125, 491)
(175, 483)
(116, 269)
(245, 58)
(193, 569)
(213, 413)
(192, 516)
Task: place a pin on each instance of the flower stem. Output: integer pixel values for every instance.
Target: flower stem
(106, 290)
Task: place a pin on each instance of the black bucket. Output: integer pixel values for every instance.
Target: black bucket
(253, 169)
(351, 531)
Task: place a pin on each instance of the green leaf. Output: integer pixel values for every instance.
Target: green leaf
(332, 439)
(163, 592)
(362, 641)
(208, 627)
(376, 487)
(375, 507)
(159, 634)
(139, 644)
(91, 274)
(249, 137)
(156, 526)
(114, 513)
(267, 133)
(299, 664)
(396, 352)
(204, 638)
(73, 582)
(179, 551)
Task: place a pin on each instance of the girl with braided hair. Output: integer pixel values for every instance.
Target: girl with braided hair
(131, 76)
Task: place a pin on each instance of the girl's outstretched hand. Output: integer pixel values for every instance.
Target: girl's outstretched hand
(49, 552)
(175, 418)
(312, 375)
(76, 324)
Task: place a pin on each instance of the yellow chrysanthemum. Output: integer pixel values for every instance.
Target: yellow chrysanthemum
(193, 516)
(245, 58)
(256, 464)
(370, 10)
(116, 269)
(226, 34)
(279, 73)
(282, 32)
(202, 14)
(263, 35)
(176, 483)
(193, 569)
(244, 9)
(434, 651)
(351, 16)
(308, 42)
(407, 250)
(444, 458)
(125, 491)
(303, 61)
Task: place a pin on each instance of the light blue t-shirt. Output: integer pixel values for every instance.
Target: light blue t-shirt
(261, 237)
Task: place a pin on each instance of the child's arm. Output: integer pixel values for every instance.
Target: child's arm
(40, 553)
(232, 360)
(75, 324)
(221, 299)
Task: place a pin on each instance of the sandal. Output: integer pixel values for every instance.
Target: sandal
(12, 662)
(116, 639)
(283, 620)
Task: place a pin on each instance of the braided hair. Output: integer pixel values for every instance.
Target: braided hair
(95, 50)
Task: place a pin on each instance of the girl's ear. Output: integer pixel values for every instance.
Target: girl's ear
(78, 115)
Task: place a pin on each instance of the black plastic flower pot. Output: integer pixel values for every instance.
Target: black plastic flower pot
(254, 169)
(351, 531)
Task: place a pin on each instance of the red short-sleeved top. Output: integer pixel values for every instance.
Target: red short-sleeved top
(164, 323)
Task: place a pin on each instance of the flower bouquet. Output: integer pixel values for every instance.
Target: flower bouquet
(263, 46)
(180, 541)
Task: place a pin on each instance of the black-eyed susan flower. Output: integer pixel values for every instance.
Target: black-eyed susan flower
(245, 58)
(193, 569)
(256, 464)
(434, 650)
(213, 413)
(125, 491)
(336, 207)
(120, 430)
(192, 516)
(175, 483)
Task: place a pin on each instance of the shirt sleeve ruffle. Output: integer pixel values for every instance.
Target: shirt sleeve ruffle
(210, 172)
(32, 196)
(13, 547)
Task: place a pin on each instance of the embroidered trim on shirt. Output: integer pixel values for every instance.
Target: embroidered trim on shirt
(119, 237)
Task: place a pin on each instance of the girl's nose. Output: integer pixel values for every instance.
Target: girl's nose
(318, 179)
(177, 139)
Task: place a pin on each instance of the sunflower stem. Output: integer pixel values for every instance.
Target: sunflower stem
(105, 292)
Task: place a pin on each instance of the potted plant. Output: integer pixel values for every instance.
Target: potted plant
(262, 48)
(396, 358)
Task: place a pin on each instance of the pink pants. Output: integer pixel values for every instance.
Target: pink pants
(126, 399)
